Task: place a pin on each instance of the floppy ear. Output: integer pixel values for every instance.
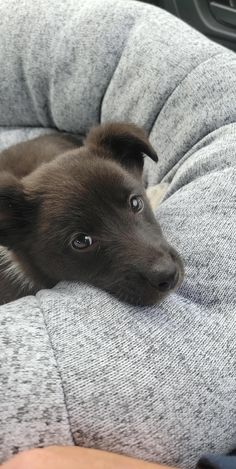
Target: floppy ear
(125, 143)
(15, 211)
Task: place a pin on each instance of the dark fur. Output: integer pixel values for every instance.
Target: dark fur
(52, 188)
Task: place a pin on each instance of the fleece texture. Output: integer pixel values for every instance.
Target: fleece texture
(77, 366)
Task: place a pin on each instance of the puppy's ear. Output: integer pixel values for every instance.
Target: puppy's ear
(15, 211)
(125, 143)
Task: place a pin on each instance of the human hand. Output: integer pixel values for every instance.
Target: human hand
(73, 457)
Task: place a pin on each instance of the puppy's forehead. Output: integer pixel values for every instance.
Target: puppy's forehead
(83, 192)
(97, 178)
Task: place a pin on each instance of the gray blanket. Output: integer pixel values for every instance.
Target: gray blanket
(76, 366)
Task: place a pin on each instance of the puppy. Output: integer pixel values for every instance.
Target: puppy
(77, 211)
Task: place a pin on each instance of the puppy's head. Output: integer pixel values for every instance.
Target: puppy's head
(85, 217)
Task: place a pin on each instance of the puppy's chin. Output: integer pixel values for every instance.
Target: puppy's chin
(149, 299)
(144, 295)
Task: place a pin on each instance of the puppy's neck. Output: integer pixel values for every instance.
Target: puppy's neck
(15, 282)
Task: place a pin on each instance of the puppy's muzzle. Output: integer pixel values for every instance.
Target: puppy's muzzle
(165, 272)
(163, 278)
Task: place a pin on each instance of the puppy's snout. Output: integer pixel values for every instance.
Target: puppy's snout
(163, 278)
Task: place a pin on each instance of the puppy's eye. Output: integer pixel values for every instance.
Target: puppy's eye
(136, 203)
(82, 241)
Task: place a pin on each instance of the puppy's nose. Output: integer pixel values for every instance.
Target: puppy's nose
(163, 278)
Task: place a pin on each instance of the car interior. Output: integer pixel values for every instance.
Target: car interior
(214, 18)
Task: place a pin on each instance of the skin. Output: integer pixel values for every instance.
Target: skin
(57, 457)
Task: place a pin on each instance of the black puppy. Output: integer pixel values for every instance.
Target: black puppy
(72, 212)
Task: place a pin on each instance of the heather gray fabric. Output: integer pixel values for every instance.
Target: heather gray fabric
(77, 366)
(32, 401)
